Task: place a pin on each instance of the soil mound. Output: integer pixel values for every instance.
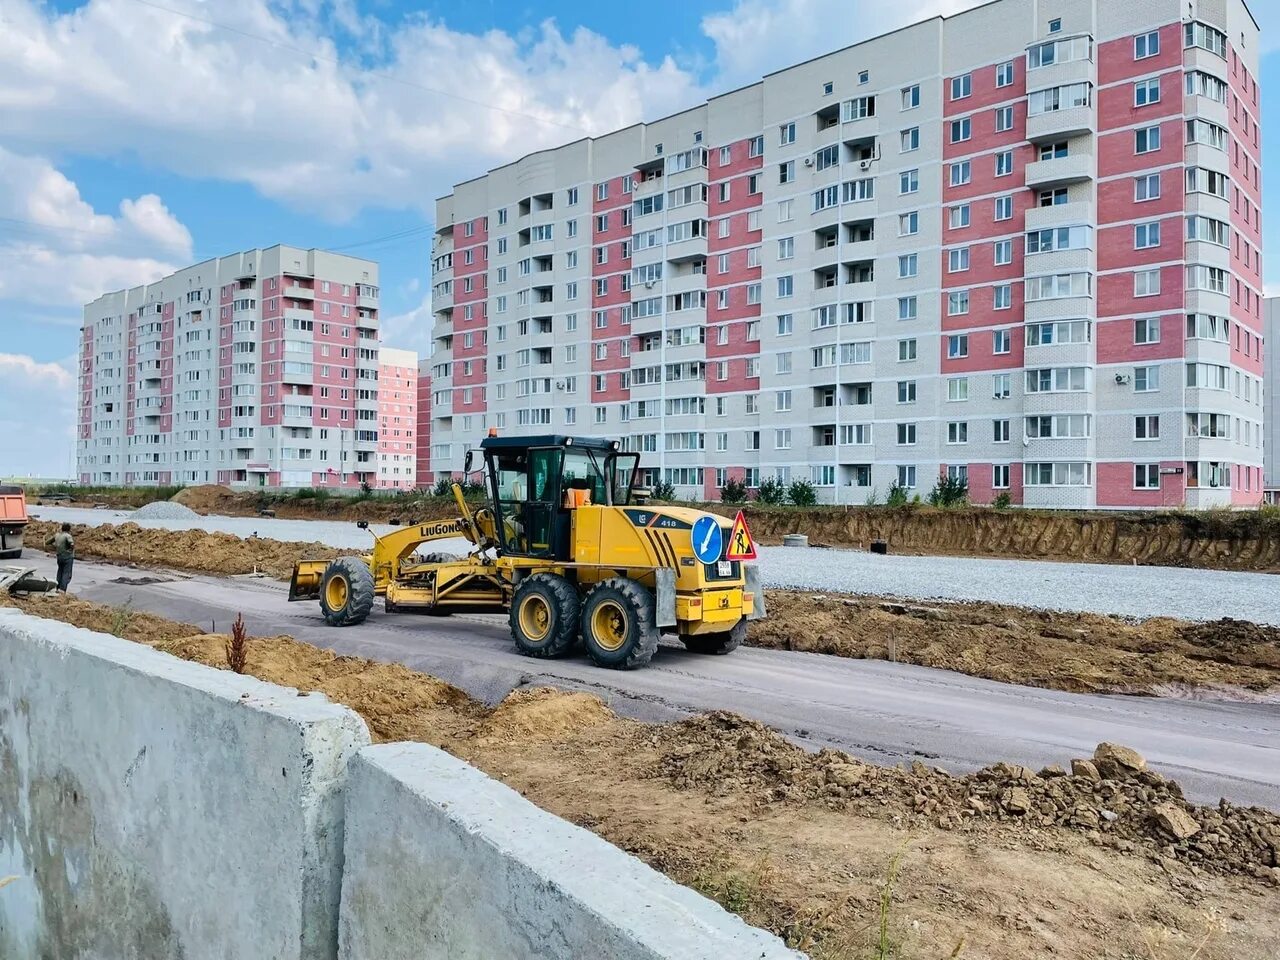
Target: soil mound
(1232, 635)
(206, 498)
(543, 714)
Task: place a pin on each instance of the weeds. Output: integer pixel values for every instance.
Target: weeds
(887, 945)
(237, 645)
(121, 617)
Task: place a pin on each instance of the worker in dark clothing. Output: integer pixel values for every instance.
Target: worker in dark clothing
(65, 547)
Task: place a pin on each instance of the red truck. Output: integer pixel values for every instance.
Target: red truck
(13, 520)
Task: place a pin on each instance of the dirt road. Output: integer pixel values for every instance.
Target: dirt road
(884, 712)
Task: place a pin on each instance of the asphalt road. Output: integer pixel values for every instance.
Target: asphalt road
(880, 711)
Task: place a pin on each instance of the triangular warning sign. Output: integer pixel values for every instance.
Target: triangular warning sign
(741, 544)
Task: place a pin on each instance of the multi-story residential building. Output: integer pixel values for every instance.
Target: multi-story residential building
(1271, 414)
(425, 477)
(1020, 245)
(255, 369)
(397, 418)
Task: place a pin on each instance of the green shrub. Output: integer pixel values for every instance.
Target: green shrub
(801, 493)
(949, 492)
(873, 498)
(664, 491)
(771, 491)
(897, 496)
(1002, 501)
(735, 491)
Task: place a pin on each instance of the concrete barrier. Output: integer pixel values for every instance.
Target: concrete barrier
(443, 862)
(152, 807)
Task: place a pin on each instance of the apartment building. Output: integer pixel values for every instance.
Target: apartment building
(425, 476)
(255, 369)
(397, 419)
(1271, 415)
(1019, 245)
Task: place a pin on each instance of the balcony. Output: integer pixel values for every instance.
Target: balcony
(366, 302)
(1058, 124)
(1059, 215)
(1060, 171)
(296, 291)
(1059, 355)
(298, 313)
(684, 251)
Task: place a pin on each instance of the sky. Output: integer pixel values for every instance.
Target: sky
(137, 136)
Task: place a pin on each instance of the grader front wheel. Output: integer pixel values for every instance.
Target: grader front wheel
(618, 627)
(346, 592)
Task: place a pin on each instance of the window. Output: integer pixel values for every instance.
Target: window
(911, 97)
(1146, 476)
(958, 260)
(786, 324)
(1003, 208)
(957, 389)
(907, 308)
(725, 190)
(961, 130)
(755, 147)
(1004, 74)
(1056, 474)
(782, 401)
(961, 173)
(725, 156)
(1147, 187)
(753, 184)
(786, 210)
(1057, 380)
(1146, 45)
(907, 349)
(786, 134)
(961, 87)
(1004, 119)
(1054, 198)
(1002, 296)
(1146, 379)
(957, 346)
(909, 181)
(907, 476)
(958, 431)
(571, 196)
(786, 286)
(908, 224)
(1146, 283)
(906, 391)
(1067, 97)
(1001, 341)
(1146, 140)
(910, 139)
(1004, 163)
(957, 303)
(1146, 235)
(1146, 427)
(908, 265)
(753, 293)
(1001, 386)
(906, 434)
(1146, 330)
(1055, 25)
(1000, 475)
(1003, 252)
(958, 216)
(1206, 37)
(1146, 91)
(782, 363)
(787, 171)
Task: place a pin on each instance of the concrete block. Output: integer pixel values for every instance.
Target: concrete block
(152, 807)
(444, 862)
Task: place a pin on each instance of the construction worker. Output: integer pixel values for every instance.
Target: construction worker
(65, 548)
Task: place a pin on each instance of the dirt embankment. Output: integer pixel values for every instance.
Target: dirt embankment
(1063, 651)
(1081, 653)
(1105, 861)
(1219, 540)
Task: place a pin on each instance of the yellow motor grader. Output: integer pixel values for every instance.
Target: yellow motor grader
(566, 547)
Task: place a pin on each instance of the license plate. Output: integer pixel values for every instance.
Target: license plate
(724, 568)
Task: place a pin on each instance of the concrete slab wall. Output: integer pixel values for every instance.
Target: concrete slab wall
(152, 807)
(444, 862)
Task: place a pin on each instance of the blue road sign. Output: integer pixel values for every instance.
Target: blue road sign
(708, 541)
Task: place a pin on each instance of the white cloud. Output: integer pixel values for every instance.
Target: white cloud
(37, 416)
(759, 36)
(328, 138)
(410, 330)
(58, 251)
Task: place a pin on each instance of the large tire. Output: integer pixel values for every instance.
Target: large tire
(346, 592)
(544, 616)
(619, 626)
(439, 558)
(717, 644)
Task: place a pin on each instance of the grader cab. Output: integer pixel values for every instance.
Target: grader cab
(566, 549)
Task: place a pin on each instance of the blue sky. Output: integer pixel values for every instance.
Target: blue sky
(140, 135)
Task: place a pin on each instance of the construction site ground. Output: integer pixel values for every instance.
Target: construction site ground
(847, 860)
(1227, 540)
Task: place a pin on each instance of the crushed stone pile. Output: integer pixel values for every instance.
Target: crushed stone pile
(164, 510)
(1112, 798)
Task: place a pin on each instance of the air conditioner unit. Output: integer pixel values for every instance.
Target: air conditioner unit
(808, 161)
(560, 384)
(1122, 378)
(648, 284)
(864, 164)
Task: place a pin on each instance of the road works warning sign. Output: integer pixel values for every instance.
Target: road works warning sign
(741, 545)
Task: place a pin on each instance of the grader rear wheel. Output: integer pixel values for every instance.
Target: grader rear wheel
(346, 592)
(618, 626)
(544, 616)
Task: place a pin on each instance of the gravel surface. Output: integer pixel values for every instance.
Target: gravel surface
(165, 510)
(1099, 588)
